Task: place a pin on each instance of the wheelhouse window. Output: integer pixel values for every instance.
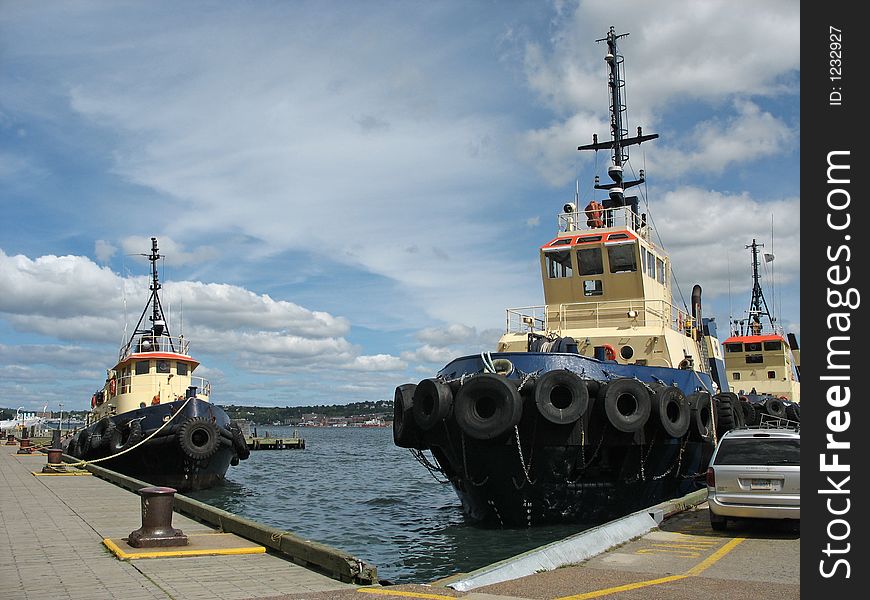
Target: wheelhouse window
(773, 345)
(650, 264)
(753, 346)
(660, 271)
(181, 368)
(163, 366)
(734, 347)
(589, 261)
(142, 367)
(593, 287)
(622, 258)
(754, 359)
(558, 264)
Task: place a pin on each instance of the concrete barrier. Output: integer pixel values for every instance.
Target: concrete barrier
(318, 557)
(575, 548)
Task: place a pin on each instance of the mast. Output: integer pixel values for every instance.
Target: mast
(758, 305)
(619, 141)
(157, 318)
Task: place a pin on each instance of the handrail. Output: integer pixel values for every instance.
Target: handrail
(154, 343)
(548, 318)
(618, 217)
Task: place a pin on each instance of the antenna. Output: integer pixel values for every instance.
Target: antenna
(758, 305)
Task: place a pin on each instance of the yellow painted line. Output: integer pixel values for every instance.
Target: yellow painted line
(117, 551)
(696, 570)
(708, 562)
(40, 473)
(623, 588)
(388, 592)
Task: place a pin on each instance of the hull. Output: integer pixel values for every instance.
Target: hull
(547, 466)
(193, 450)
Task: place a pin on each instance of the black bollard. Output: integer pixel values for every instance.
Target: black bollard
(157, 527)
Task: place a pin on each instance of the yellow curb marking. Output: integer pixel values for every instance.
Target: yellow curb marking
(117, 551)
(387, 592)
(696, 570)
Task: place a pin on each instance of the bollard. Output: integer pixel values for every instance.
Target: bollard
(157, 527)
(55, 438)
(24, 446)
(10, 440)
(54, 456)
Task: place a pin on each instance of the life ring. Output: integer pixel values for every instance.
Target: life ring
(431, 403)
(561, 396)
(94, 401)
(609, 352)
(627, 404)
(112, 387)
(406, 432)
(155, 399)
(199, 438)
(593, 214)
(486, 406)
(126, 436)
(669, 404)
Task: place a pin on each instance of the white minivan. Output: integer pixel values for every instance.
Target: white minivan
(755, 473)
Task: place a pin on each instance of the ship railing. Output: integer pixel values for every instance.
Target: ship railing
(576, 315)
(155, 343)
(202, 385)
(618, 217)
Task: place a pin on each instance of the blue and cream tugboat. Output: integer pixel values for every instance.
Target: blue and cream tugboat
(152, 419)
(603, 401)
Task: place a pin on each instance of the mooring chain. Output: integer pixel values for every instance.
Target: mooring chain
(520, 450)
(677, 464)
(421, 458)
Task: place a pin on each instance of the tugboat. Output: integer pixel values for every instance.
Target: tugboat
(760, 362)
(603, 401)
(152, 419)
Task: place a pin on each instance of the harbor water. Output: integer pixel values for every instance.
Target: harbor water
(352, 489)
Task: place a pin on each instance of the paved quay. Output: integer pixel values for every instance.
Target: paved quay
(53, 527)
(51, 546)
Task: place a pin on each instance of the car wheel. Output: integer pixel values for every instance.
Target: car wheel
(718, 523)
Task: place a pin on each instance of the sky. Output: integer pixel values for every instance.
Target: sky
(347, 195)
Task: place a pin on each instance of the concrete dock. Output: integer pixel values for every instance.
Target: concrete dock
(52, 546)
(53, 532)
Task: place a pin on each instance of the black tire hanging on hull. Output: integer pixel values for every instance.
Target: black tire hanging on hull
(669, 404)
(101, 436)
(774, 407)
(702, 417)
(487, 405)
(561, 396)
(627, 404)
(125, 436)
(406, 432)
(431, 403)
(239, 443)
(199, 438)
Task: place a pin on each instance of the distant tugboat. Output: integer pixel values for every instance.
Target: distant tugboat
(152, 419)
(760, 362)
(599, 403)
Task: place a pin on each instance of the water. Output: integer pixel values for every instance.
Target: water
(352, 489)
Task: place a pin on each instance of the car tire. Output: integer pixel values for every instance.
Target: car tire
(718, 523)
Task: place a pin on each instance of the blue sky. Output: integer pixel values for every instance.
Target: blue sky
(349, 194)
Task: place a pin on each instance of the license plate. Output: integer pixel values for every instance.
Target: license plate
(760, 484)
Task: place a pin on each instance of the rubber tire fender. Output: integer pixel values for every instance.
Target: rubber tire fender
(793, 412)
(199, 438)
(774, 407)
(750, 414)
(406, 432)
(620, 392)
(486, 406)
(669, 404)
(83, 443)
(561, 396)
(240, 445)
(103, 430)
(431, 403)
(724, 414)
(702, 418)
(125, 436)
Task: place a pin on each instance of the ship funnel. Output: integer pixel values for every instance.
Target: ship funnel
(696, 303)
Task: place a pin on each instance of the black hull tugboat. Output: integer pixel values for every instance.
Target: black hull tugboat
(152, 419)
(603, 401)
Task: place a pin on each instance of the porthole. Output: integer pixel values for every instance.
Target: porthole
(626, 352)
